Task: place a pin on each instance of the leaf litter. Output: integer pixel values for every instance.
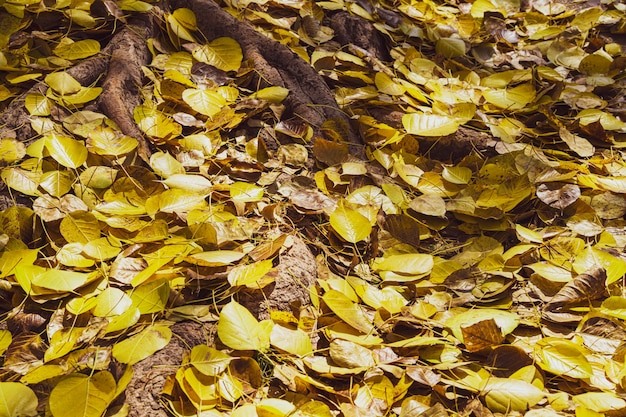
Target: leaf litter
(489, 284)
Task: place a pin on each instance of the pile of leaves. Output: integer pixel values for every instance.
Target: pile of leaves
(490, 284)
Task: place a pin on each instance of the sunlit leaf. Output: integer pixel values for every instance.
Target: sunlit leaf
(505, 320)
(68, 49)
(577, 143)
(216, 258)
(66, 151)
(186, 18)
(82, 395)
(409, 263)
(17, 400)
(273, 94)
(222, 53)
(515, 98)
(423, 124)
(208, 360)
(348, 311)
(151, 297)
(244, 192)
(296, 342)
(350, 224)
(503, 395)
(591, 258)
(37, 104)
(563, 357)
(249, 274)
(457, 175)
(238, 329)
(600, 402)
(111, 302)
(192, 183)
(386, 85)
(80, 226)
(138, 347)
(206, 102)
(62, 83)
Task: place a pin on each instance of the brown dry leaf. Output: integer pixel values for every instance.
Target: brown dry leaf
(482, 335)
(329, 152)
(423, 375)
(404, 228)
(558, 195)
(584, 288)
(124, 269)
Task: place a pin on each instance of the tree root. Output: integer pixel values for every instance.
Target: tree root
(120, 88)
(310, 98)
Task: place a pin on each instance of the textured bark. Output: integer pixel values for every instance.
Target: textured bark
(123, 80)
(310, 98)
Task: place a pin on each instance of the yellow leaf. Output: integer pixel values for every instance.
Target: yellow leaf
(138, 347)
(423, 124)
(238, 329)
(178, 28)
(66, 151)
(107, 141)
(37, 104)
(186, 18)
(408, 263)
(80, 226)
(188, 182)
(577, 143)
(563, 358)
(450, 47)
(249, 274)
(5, 340)
(111, 302)
(503, 395)
(154, 123)
(205, 102)
(17, 400)
(11, 150)
(62, 83)
(244, 192)
(71, 255)
(81, 17)
(457, 175)
(79, 395)
(350, 224)
(68, 49)
(600, 402)
(516, 98)
(100, 249)
(222, 53)
(296, 342)
(165, 165)
(151, 297)
(215, 258)
(386, 85)
(85, 95)
(348, 311)
(273, 94)
(60, 280)
(589, 257)
(275, 407)
(209, 361)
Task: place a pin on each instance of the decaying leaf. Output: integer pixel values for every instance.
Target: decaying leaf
(584, 288)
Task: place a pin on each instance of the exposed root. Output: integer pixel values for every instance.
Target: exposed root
(310, 98)
(120, 88)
